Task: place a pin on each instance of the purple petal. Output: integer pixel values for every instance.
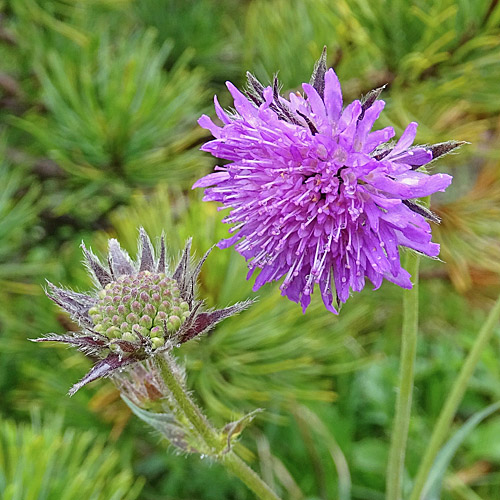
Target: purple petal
(241, 103)
(428, 248)
(205, 122)
(377, 138)
(402, 278)
(316, 103)
(405, 141)
(370, 117)
(221, 114)
(416, 157)
(326, 293)
(333, 95)
(211, 179)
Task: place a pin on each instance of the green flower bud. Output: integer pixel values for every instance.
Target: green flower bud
(99, 328)
(173, 323)
(157, 342)
(150, 310)
(130, 337)
(146, 321)
(96, 318)
(165, 306)
(94, 310)
(132, 318)
(113, 332)
(156, 331)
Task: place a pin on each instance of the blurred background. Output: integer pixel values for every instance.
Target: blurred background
(98, 107)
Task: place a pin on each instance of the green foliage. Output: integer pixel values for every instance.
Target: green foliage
(17, 211)
(434, 484)
(115, 115)
(46, 461)
(205, 27)
(104, 96)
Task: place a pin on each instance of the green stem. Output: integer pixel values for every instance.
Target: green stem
(169, 372)
(399, 437)
(206, 431)
(240, 469)
(455, 396)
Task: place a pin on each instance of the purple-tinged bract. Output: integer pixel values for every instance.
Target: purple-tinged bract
(139, 310)
(315, 195)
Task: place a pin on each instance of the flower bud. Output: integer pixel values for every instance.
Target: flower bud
(132, 318)
(113, 332)
(130, 337)
(156, 331)
(157, 342)
(146, 321)
(173, 323)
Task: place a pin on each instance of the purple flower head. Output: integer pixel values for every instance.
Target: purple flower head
(315, 195)
(139, 309)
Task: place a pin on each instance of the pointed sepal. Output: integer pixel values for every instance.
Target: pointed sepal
(101, 274)
(103, 368)
(121, 263)
(318, 76)
(369, 99)
(421, 210)
(86, 343)
(443, 148)
(147, 262)
(204, 321)
(76, 304)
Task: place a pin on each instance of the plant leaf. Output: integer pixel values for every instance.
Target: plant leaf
(434, 483)
(166, 424)
(234, 429)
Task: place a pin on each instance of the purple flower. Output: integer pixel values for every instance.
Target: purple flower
(139, 310)
(316, 196)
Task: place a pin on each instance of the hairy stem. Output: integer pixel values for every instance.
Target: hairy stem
(240, 469)
(216, 442)
(445, 419)
(399, 436)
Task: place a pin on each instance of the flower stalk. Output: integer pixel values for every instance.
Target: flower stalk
(213, 439)
(399, 437)
(455, 396)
